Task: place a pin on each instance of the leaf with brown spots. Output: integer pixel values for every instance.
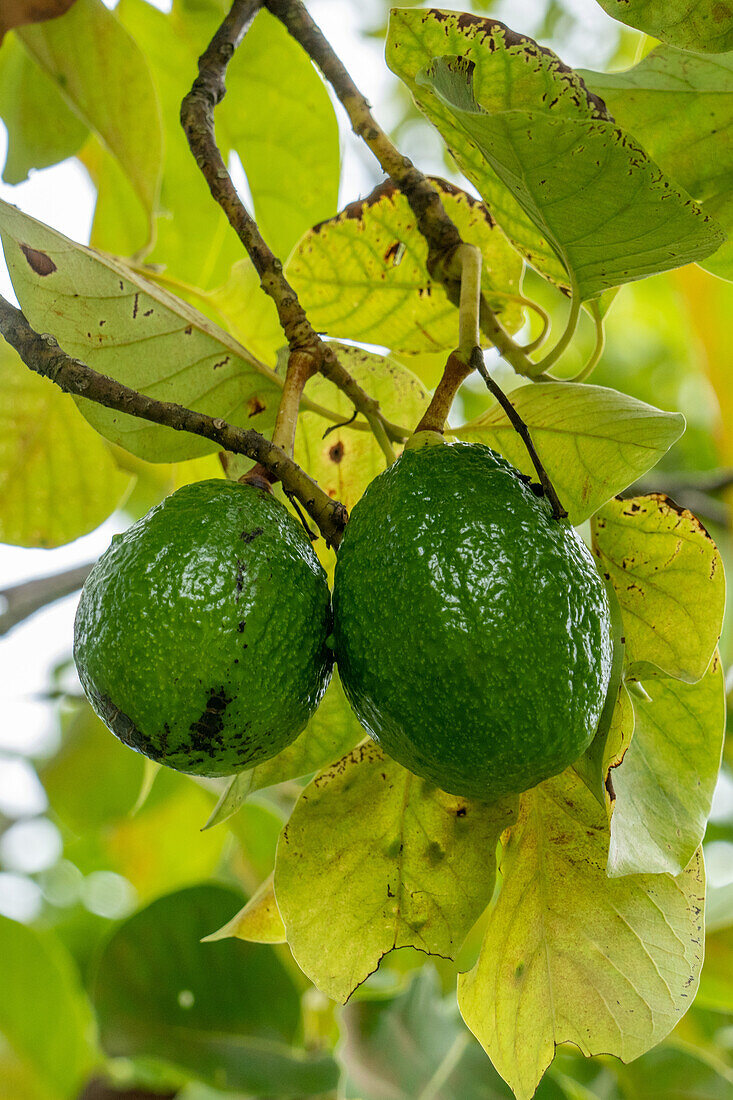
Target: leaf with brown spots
(668, 576)
(363, 274)
(120, 324)
(570, 955)
(579, 197)
(348, 459)
(416, 870)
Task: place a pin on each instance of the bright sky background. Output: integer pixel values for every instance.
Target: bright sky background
(63, 198)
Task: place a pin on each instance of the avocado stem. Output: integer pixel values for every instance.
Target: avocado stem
(454, 374)
(477, 363)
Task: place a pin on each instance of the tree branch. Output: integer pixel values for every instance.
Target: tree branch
(440, 233)
(44, 356)
(21, 600)
(197, 119)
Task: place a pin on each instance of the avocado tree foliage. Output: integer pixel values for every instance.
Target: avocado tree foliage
(200, 335)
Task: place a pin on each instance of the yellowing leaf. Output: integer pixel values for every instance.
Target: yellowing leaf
(596, 766)
(570, 955)
(593, 441)
(123, 326)
(363, 275)
(346, 461)
(259, 921)
(15, 13)
(668, 576)
(58, 479)
(664, 785)
(374, 859)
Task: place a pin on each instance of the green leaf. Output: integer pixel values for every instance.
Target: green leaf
(695, 90)
(88, 50)
(78, 779)
(636, 224)
(594, 442)
(664, 784)
(570, 955)
(701, 25)
(284, 131)
(120, 324)
(258, 921)
(147, 850)
(720, 263)
(227, 1012)
(346, 461)
(44, 1014)
(672, 1073)
(193, 237)
(42, 129)
(363, 275)
(58, 479)
(580, 199)
(414, 870)
(406, 1045)
(331, 732)
(668, 576)
(247, 312)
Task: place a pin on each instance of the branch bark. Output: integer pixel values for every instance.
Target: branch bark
(440, 233)
(21, 600)
(42, 354)
(197, 119)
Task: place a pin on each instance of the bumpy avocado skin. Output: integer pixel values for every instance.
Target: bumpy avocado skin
(200, 637)
(472, 629)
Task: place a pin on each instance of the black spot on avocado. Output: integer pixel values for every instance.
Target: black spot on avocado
(250, 536)
(336, 453)
(208, 727)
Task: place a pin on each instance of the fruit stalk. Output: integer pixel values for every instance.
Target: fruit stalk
(42, 354)
(458, 366)
(197, 119)
(477, 361)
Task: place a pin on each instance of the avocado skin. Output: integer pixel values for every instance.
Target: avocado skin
(200, 636)
(472, 629)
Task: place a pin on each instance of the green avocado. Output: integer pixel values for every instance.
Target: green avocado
(472, 629)
(200, 637)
